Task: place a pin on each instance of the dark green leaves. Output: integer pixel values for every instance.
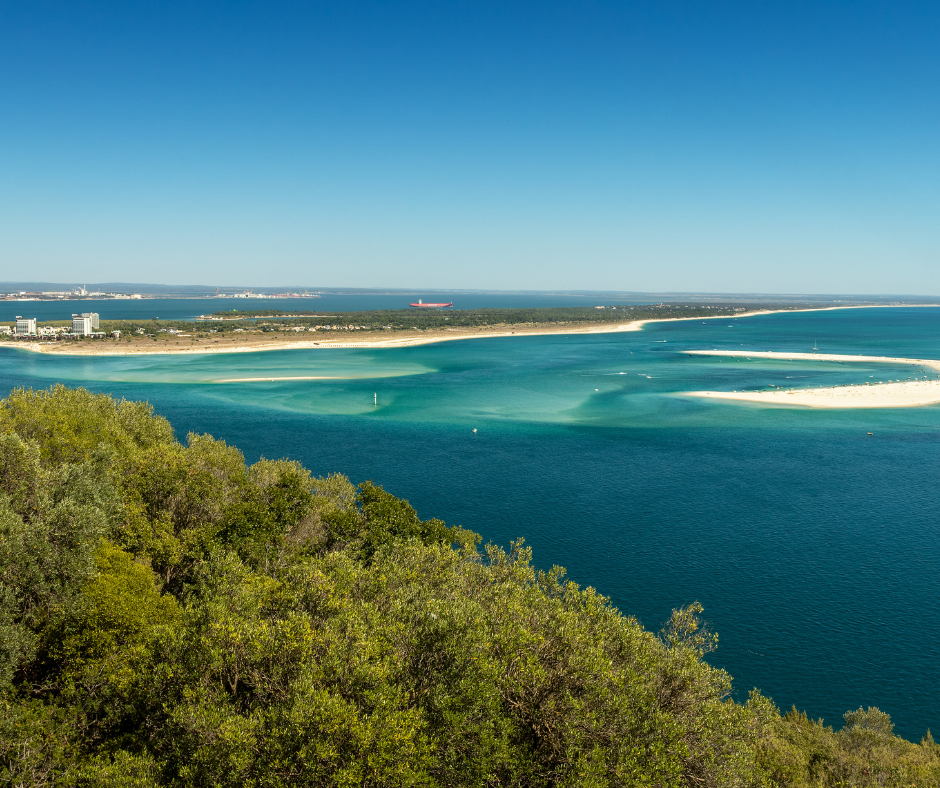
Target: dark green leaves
(169, 616)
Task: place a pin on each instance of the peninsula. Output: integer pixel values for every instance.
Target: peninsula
(239, 331)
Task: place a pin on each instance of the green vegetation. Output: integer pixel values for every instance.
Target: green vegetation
(404, 319)
(169, 616)
(226, 323)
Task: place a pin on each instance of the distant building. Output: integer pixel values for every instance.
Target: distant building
(94, 319)
(81, 325)
(25, 326)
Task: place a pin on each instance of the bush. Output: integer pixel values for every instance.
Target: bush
(171, 616)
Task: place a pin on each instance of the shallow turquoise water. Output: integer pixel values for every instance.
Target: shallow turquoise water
(813, 546)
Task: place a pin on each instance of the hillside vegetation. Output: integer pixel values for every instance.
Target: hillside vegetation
(172, 617)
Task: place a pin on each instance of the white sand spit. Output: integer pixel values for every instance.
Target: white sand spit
(293, 377)
(906, 394)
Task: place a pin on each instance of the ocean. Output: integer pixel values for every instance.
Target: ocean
(813, 546)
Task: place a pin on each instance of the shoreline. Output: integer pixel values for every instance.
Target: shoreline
(894, 394)
(412, 340)
(309, 344)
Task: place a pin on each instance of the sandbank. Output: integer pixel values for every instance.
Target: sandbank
(277, 379)
(894, 394)
(292, 377)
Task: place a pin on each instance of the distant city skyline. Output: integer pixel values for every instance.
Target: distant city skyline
(147, 290)
(670, 147)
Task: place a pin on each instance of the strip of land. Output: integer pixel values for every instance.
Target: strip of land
(313, 377)
(364, 339)
(245, 342)
(291, 377)
(906, 393)
(242, 343)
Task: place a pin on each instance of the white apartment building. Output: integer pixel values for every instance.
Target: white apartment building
(25, 326)
(94, 319)
(81, 325)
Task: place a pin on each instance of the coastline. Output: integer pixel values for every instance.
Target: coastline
(371, 340)
(894, 394)
(281, 343)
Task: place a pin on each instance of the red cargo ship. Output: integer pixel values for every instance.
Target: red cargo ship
(421, 303)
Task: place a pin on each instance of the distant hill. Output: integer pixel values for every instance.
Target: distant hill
(685, 297)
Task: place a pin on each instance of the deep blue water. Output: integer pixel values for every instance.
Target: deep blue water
(814, 547)
(189, 308)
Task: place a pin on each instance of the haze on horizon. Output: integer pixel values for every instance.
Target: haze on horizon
(735, 147)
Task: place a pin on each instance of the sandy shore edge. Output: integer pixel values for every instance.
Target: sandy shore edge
(307, 344)
(899, 394)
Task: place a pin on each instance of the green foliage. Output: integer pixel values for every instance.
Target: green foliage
(51, 519)
(119, 609)
(398, 319)
(172, 617)
(424, 319)
(797, 751)
(386, 519)
(67, 424)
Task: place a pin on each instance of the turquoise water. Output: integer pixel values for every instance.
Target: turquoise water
(813, 546)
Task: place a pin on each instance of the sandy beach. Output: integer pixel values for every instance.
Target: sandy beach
(902, 393)
(361, 339)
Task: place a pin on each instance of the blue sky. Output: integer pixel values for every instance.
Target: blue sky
(714, 146)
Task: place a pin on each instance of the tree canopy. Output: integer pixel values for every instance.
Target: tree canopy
(170, 616)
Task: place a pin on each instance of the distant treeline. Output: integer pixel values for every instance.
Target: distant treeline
(423, 318)
(170, 616)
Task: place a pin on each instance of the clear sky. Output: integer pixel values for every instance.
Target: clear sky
(713, 146)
